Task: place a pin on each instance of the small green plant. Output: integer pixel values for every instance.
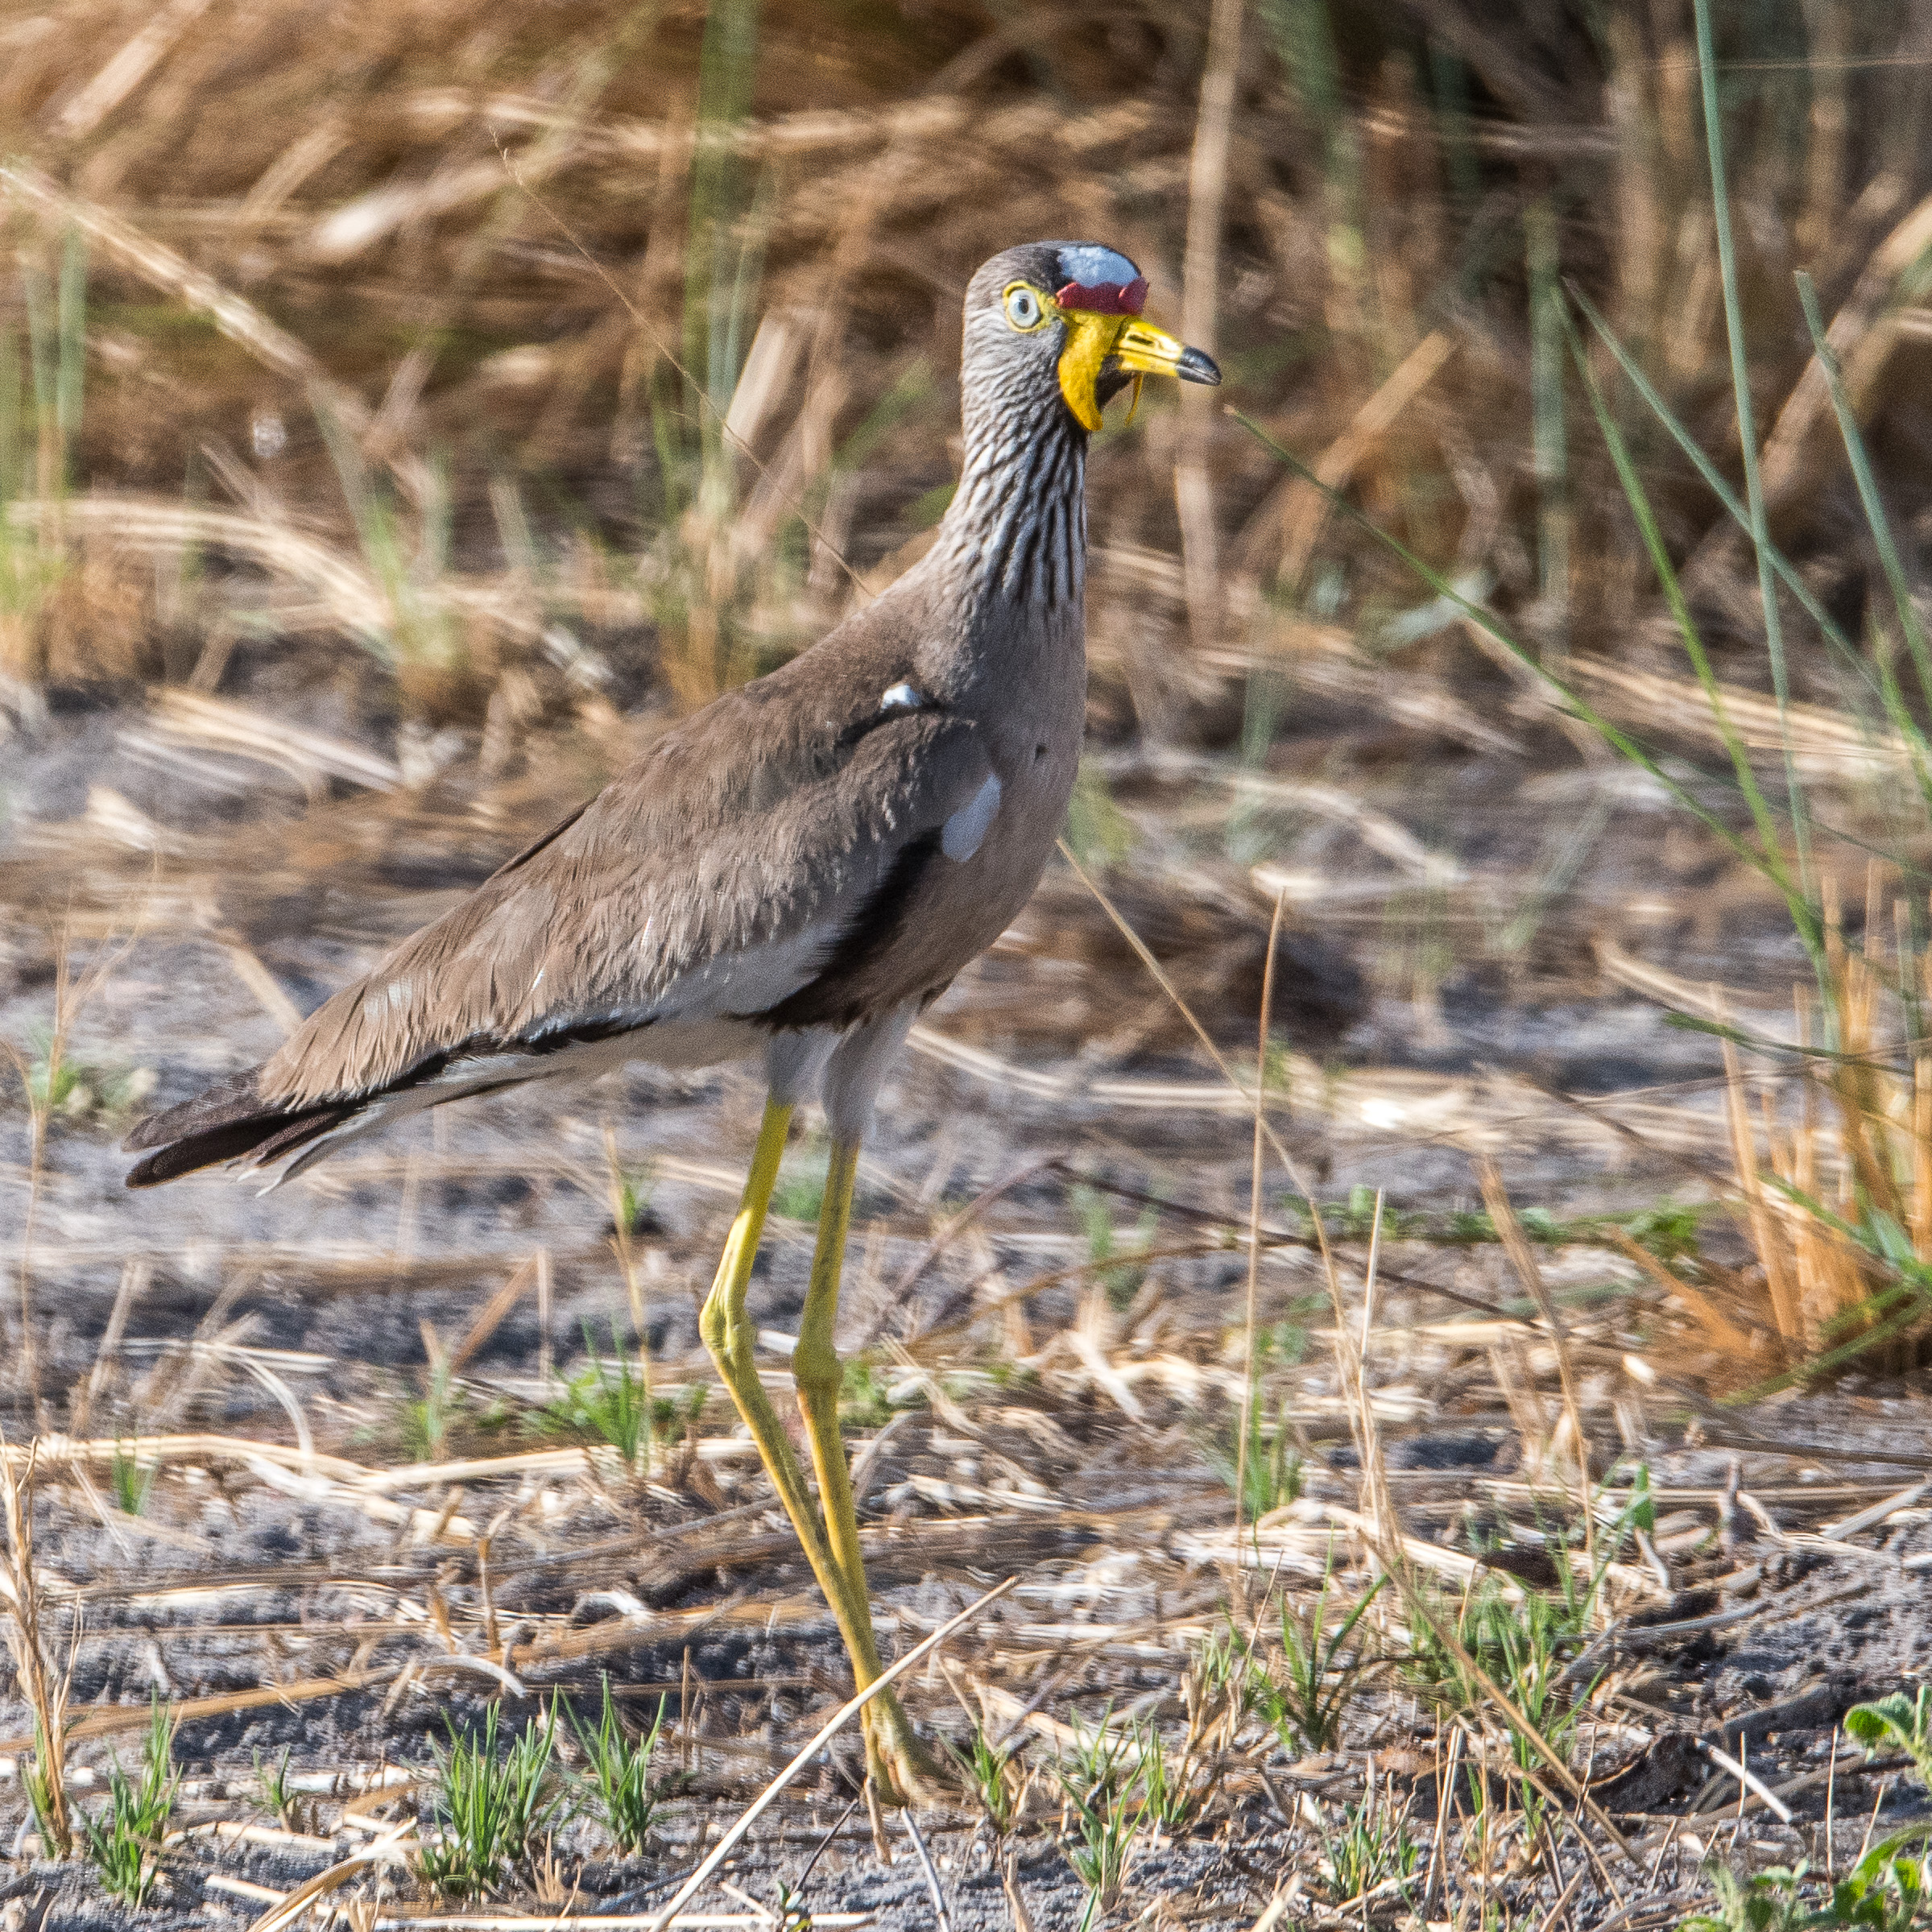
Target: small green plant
(1221, 1674)
(277, 1799)
(132, 1482)
(428, 1419)
(864, 1397)
(993, 1777)
(59, 1084)
(1887, 1890)
(672, 1418)
(1286, 1340)
(1354, 1219)
(1521, 1644)
(1669, 1231)
(1359, 1216)
(1269, 1477)
(487, 1807)
(40, 1776)
(1306, 1702)
(1372, 1847)
(1173, 1791)
(789, 1907)
(1106, 1807)
(1903, 1722)
(619, 1791)
(1121, 1281)
(630, 1190)
(608, 1401)
(1117, 1781)
(123, 1838)
(1514, 1638)
(1772, 1900)
(418, 630)
(800, 1191)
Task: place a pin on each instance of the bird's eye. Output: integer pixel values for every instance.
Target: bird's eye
(1024, 307)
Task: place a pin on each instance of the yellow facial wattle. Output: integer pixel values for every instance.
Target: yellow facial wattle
(1138, 349)
(1090, 338)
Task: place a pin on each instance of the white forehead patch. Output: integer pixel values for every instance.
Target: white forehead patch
(1091, 265)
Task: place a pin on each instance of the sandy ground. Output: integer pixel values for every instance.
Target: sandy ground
(241, 1310)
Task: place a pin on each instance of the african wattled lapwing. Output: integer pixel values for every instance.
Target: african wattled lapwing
(795, 872)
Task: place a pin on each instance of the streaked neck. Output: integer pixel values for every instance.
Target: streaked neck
(1016, 527)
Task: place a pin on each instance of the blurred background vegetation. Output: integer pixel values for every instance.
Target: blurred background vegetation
(468, 391)
(387, 327)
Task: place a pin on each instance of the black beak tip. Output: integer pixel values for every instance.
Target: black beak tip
(1196, 367)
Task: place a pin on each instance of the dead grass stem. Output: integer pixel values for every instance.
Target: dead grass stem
(1248, 1365)
(45, 1683)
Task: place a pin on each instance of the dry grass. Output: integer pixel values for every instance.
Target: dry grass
(1162, 1588)
(405, 412)
(425, 368)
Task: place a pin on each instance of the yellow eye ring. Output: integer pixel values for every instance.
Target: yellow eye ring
(1026, 308)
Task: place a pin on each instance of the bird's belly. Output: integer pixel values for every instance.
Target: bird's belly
(672, 1044)
(686, 1043)
(689, 1043)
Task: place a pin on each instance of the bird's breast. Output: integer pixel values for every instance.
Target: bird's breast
(1024, 691)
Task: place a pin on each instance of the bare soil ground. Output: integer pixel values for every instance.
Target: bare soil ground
(406, 411)
(338, 1556)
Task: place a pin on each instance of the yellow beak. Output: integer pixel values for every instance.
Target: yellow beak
(1137, 347)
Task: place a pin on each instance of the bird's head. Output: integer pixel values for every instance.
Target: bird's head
(1063, 319)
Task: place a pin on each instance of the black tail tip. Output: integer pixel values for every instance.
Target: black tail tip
(230, 1122)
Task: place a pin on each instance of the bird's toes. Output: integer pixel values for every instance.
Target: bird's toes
(905, 1772)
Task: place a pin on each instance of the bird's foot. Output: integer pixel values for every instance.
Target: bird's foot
(903, 1770)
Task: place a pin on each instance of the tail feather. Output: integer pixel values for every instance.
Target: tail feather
(233, 1120)
(230, 1122)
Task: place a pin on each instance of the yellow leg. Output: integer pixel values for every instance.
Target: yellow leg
(898, 1765)
(733, 1342)
(892, 1752)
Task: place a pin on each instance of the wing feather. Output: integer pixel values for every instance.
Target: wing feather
(721, 866)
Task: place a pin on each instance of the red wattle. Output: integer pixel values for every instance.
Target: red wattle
(1105, 298)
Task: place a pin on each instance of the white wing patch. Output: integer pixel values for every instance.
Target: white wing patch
(960, 838)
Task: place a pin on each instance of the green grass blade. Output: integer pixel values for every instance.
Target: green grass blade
(1715, 482)
(1617, 739)
(41, 333)
(730, 327)
(1907, 727)
(727, 63)
(1638, 501)
(70, 365)
(1747, 428)
(13, 463)
(1304, 41)
(1879, 685)
(1869, 499)
(1549, 449)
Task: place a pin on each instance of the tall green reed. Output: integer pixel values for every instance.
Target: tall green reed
(41, 404)
(1549, 446)
(715, 261)
(695, 571)
(1746, 429)
(1305, 40)
(1889, 1289)
(417, 631)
